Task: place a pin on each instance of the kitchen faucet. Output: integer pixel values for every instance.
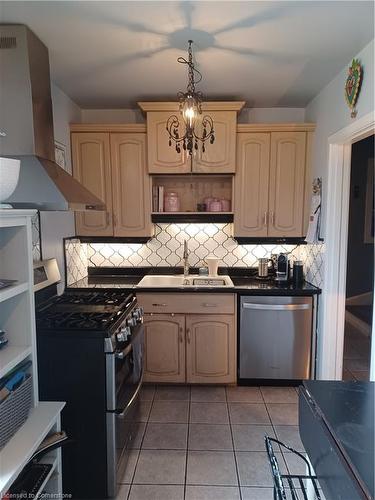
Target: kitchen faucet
(186, 261)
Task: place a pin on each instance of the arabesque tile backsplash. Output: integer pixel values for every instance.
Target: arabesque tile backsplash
(166, 249)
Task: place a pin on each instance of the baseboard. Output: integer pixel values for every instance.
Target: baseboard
(363, 299)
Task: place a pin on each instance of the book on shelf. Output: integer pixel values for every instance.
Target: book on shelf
(160, 199)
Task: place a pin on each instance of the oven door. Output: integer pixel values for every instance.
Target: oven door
(124, 381)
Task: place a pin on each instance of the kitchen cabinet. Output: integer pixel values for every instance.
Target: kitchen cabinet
(92, 168)
(211, 349)
(272, 185)
(189, 337)
(130, 185)
(111, 162)
(219, 158)
(164, 348)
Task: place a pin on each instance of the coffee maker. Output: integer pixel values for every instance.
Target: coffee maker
(282, 269)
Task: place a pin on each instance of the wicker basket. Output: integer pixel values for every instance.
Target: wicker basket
(14, 410)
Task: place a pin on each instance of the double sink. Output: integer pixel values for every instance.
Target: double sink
(180, 281)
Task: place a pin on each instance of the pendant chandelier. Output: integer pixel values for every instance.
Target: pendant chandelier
(190, 104)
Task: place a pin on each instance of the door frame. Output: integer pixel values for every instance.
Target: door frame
(336, 237)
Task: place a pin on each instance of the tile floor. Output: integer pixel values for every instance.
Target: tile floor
(207, 443)
(357, 352)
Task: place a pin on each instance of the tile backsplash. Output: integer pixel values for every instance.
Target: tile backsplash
(166, 249)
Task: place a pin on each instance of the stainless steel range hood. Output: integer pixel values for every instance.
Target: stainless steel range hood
(26, 126)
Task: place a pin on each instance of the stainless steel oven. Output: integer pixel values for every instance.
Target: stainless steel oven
(124, 374)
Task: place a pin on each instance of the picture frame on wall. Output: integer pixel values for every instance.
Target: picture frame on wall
(60, 154)
(369, 206)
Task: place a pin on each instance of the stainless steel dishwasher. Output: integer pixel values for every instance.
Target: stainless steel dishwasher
(276, 340)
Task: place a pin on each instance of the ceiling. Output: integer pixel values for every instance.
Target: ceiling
(108, 54)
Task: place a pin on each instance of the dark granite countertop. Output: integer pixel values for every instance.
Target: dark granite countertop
(244, 280)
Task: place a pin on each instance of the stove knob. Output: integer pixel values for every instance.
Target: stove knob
(131, 322)
(123, 334)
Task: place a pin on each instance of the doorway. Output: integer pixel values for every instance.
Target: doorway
(360, 263)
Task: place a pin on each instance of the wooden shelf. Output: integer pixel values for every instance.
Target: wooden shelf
(191, 217)
(10, 356)
(18, 451)
(13, 290)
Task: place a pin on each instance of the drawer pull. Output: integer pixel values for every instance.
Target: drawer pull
(188, 335)
(208, 304)
(160, 305)
(181, 335)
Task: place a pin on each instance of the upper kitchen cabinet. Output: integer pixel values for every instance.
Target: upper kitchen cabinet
(130, 185)
(110, 160)
(218, 158)
(273, 184)
(92, 168)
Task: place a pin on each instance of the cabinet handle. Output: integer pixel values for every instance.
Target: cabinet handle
(272, 216)
(181, 334)
(208, 304)
(188, 335)
(265, 219)
(160, 305)
(172, 314)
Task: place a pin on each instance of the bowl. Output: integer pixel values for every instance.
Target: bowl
(9, 174)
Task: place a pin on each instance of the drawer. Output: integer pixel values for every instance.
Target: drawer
(187, 303)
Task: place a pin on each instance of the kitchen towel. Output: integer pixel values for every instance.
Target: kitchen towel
(313, 230)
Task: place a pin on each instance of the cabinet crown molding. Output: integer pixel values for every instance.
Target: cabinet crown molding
(206, 106)
(109, 127)
(275, 127)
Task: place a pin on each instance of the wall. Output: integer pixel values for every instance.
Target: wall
(54, 226)
(360, 266)
(330, 113)
(247, 115)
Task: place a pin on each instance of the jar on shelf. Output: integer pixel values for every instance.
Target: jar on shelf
(172, 202)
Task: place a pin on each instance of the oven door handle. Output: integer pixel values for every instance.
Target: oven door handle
(122, 354)
(136, 392)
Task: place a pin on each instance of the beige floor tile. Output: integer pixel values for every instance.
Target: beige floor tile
(210, 437)
(257, 493)
(209, 413)
(147, 393)
(238, 394)
(144, 410)
(160, 467)
(208, 394)
(279, 394)
(165, 436)
(254, 468)
(251, 437)
(295, 464)
(248, 413)
(139, 429)
(283, 414)
(123, 492)
(212, 493)
(172, 393)
(170, 412)
(211, 468)
(130, 468)
(156, 492)
(289, 434)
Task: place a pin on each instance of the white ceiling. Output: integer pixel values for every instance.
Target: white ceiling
(108, 54)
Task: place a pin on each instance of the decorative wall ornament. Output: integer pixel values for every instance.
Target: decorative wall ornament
(191, 112)
(60, 154)
(353, 85)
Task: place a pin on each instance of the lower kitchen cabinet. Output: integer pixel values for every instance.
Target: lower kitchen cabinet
(185, 346)
(211, 349)
(164, 348)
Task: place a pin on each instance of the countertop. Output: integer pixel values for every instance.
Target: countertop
(245, 283)
(347, 409)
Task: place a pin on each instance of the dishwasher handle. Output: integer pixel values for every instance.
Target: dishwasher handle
(276, 307)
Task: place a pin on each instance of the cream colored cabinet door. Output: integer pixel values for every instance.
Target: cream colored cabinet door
(130, 185)
(210, 349)
(164, 348)
(251, 185)
(219, 157)
(287, 184)
(162, 158)
(92, 167)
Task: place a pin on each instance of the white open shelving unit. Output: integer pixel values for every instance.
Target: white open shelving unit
(17, 318)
